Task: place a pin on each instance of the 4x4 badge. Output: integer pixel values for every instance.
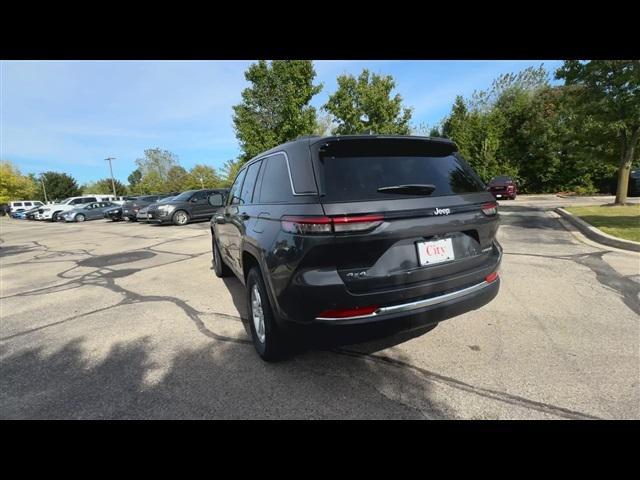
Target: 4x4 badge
(442, 211)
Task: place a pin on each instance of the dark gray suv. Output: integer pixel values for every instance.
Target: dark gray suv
(353, 230)
(186, 207)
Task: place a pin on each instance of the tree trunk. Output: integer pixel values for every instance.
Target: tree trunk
(626, 157)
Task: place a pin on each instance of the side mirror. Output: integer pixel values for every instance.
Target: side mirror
(216, 200)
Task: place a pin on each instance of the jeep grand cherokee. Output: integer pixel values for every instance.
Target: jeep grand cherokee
(356, 229)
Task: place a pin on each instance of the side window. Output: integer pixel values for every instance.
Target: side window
(89, 200)
(27, 204)
(249, 183)
(276, 186)
(235, 188)
(200, 196)
(77, 201)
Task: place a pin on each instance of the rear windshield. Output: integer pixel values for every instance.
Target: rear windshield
(359, 178)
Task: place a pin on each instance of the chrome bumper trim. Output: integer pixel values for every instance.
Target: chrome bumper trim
(407, 307)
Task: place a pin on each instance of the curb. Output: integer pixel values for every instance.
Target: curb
(596, 234)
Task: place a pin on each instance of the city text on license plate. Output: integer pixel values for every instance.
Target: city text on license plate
(435, 251)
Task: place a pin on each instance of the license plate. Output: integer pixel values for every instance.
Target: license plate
(148, 215)
(498, 196)
(435, 251)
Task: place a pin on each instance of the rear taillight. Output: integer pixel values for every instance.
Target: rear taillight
(489, 209)
(342, 224)
(348, 312)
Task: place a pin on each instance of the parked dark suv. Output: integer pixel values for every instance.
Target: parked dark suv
(357, 229)
(188, 206)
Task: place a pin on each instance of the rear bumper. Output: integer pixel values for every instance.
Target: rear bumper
(431, 309)
(503, 194)
(311, 293)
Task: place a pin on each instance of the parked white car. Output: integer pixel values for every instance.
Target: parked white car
(23, 205)
(52, 212)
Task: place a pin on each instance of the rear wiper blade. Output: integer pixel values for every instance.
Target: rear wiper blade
(411, 189)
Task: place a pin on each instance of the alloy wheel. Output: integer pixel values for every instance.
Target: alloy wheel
(257, 313)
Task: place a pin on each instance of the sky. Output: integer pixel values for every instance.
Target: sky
(68, 116)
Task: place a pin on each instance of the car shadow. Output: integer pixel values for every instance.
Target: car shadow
(216, 381)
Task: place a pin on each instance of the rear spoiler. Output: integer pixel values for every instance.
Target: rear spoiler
(378, 145)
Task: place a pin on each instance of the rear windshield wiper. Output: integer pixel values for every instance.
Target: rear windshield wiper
(411, 189)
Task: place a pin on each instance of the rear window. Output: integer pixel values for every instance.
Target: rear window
(358, 178)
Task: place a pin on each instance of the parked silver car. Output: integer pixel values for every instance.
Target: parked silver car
(143, 213)
(91, 211)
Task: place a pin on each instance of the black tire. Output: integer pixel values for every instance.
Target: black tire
(180, 217)
(56, 217)
(272, 347)
(219, 267)
(79, 218)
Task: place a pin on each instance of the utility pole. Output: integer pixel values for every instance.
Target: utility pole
(201, 182)
(44, 189)
(113, 183)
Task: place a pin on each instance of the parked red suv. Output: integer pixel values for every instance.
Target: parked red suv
(503, 187)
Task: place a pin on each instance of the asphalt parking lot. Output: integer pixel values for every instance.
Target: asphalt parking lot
(116, 320)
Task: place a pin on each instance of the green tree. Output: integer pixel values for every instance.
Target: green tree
(324, 125)
(229, 172)
(490, 128)
(104, 186)
(60, 185)
(364, 104)
(202, 176)
(177, 178)
(609, 92)
(275, 108)
(435, 132)
(14, 185)
(134, 179)
(154, 168)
